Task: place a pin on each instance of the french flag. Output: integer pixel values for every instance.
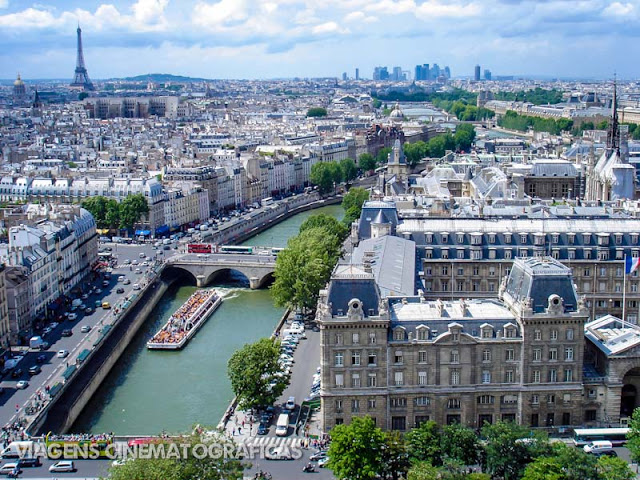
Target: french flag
(631, 264)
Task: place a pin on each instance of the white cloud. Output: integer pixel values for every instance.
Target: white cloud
(436, 9)
(392, 7)
(4, 3)
(217, 16)
(617, 9)
(359, 17)
(327, 27)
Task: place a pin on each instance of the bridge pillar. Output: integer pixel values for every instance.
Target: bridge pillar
(200, 281)
(254, 283)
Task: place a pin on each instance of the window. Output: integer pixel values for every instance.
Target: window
(371, 358)
(460, 271)
(355, 380)
(339, 380)
(551, 398)
(553, 375)
(535, 376)
(422, 356)
(553, 354)
(507, 254)
(355, 405)
(455, 377)
(339, 359)
(509, 399)
(398, 334)
(553, 335)
(399, 378)
(476, 271)
(510, 354)
(486, 376)
(371, 404)
(398, 357)
(422, 401)
(372, 380)
(486, 355)
(339, 339)
(423, 334)
(338, 406)
(372, 338)
(535, 399)
(485, 399)
(568, 354)
(422, 378)
(445, 270)
(398, 423)
(537, 354)
(455, 356)
(510, 332)
(487, 332)
(537, 335)
(398, 402)
(355, 358)
(453, 403)
(509, 376)
(569, 333)
(590, 415)
(568, 375)
(355, 338)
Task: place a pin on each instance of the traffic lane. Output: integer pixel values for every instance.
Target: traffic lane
(289, 469)
(84, 469)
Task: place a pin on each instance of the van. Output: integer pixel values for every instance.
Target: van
(598, 446)
(136, 286)
(18, 449)
(9, 468)
(35, 342)
(106, 305)
(282, 425)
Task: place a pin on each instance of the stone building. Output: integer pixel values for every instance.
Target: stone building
(406, 360)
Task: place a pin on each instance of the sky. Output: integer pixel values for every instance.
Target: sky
(311, 38)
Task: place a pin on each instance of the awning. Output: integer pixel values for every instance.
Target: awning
(143, 232)
(162, 229)
(83, 355)
(69, 371)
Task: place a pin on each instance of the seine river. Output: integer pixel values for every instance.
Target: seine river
(149, 392)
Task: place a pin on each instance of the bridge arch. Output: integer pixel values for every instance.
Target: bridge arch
(171, 272)
(228, 272)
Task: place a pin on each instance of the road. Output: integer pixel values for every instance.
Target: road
(13, 400)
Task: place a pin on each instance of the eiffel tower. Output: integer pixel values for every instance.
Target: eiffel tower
(81, 77)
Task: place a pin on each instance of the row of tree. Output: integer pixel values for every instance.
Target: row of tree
(109, 213)
(436, 147)
(452, 96)
(537, 96)
(504, 450)
(634, 130)
(514, 121)
(328, 174)
(464, 111)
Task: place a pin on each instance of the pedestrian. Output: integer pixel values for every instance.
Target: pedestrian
(234, 431)
(239, 430)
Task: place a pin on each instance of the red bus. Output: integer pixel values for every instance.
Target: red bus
(199, 248)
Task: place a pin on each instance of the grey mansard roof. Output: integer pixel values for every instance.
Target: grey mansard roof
(348, 282)
(538, 279)
(553, 168)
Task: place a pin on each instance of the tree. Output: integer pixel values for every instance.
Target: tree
(505, 457)
(366, 162)
(112, 216)
(329, 223)
(415, 152)
(633, 437)
(395, 460)
(355, 450)
(251, 369)
(317, 112)
(460, 444)
(324, 175)
(544, 468)
(352, 204)
(72, 165)
(348, 169)
(614, 468)
(304, 267)
(423, 443)
(464, 136)
(97, 206)
(185, 463)
(423, 471)
(82, 96)
(383, 156)
(132, 208)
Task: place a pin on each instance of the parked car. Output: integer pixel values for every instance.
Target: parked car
(120, 290)
(291, 403)
(85, 328)
(17, 372)
(41, 358)
(263, 429)
(72, 316)
(318, 456)
(127, 282)
(35, 370)
(63, 353)
(88, 311)
(67, 332)
(22, 384)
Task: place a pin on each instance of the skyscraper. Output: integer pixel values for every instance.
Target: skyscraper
(357, 74)
(487, 74)
(380, 73)
(476, 76)
(397, 74)
(81, 77)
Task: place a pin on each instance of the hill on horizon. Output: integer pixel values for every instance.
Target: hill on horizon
(161, 77)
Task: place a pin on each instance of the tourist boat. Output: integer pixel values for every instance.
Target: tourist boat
(186, 321)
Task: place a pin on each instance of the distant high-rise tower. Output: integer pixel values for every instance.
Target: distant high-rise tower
(81, 77)
(487, 74)
(357, 74)
(476, 76)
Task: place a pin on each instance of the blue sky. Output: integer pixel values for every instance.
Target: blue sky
(285, 38)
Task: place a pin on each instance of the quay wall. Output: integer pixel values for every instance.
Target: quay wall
(69, 403)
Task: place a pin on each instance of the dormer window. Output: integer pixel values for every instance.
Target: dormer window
(422, 333)
(487, 331)
(523, 238)
(634, 238)
(460, 237)
(399, 334)
(510, 331)
(586, 238)
(492, 238)
(476, 239)
(555, 238)
(445, 237)
(507, 237)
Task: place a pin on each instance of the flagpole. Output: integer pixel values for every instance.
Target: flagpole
(624, 291)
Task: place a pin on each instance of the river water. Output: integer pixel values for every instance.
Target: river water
(149, 392)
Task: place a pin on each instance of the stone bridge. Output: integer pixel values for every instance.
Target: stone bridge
(205, 267)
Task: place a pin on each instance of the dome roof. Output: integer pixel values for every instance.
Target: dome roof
(396, 112)
(18, 81)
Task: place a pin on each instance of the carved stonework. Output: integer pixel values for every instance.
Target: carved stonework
(355, 312)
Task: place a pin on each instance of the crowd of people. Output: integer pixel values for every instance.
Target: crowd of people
(13, 432)
(181, 321)
(81, 437)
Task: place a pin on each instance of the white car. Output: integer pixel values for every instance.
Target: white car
(72, 316)
(63, 353)
(22, 384)
(8, 468)
(53, 325)
(85, 328)
(63, 466)
(122, 278)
